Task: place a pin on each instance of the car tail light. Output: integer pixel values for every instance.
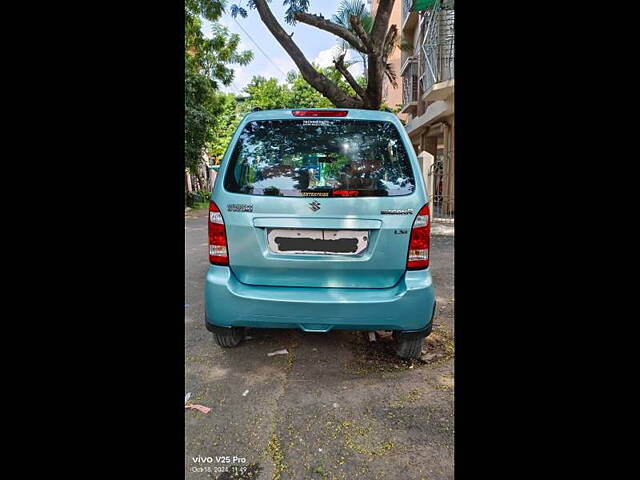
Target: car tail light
(320, 113)
(418, 257)
(218, 254)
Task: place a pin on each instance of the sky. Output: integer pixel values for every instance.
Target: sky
(317, 45)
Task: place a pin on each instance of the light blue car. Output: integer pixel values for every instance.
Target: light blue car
(319, 220)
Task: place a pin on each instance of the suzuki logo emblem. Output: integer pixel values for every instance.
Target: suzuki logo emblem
(315, 206)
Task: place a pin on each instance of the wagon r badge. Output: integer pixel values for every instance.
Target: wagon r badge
(315, 206)
(404, 211)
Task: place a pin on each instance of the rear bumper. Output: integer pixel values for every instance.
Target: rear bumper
(408, 306)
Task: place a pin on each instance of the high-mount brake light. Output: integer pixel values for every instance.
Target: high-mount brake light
(418, 257)
(345, 193)
(320, 113)
(218, 254)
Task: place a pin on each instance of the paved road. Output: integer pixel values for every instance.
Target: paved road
(336, 407)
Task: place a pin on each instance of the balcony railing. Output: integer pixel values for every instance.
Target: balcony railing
(406, 8)
(409, 84)
(437, 47)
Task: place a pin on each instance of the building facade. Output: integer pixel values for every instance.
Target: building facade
(427, 72)
(392, 96)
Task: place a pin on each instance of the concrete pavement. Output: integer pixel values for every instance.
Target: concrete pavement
(335, 407)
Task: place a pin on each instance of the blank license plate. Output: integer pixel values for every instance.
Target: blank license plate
(287, 241)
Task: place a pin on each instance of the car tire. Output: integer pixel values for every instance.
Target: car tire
(409, 348)
(230, 339)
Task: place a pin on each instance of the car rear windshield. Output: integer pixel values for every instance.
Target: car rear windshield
(318, 157)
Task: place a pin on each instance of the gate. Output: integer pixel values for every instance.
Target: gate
(441, 187)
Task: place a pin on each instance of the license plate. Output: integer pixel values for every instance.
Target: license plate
(286, 241)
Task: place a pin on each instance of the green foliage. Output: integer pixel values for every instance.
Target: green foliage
(207, 63)
(199, 113)
(294, 93)
(217, 53)
(303, 95)
(197, 199)
(333, 169)
(353, 7)
(293, 6)
(336, 77)
(210, 9)
(224, 126)
(346, 8)
(266, 94)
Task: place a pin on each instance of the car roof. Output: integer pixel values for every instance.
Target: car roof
(353, 113)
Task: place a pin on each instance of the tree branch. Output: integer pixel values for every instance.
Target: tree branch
(341, 67)
(309, 73)
(387, 47)
(362, 35)
(391, 75)
(322, 23)
(389, 41)
(381, 22)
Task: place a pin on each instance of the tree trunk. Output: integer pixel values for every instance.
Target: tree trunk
(187, 179)
(374, 83)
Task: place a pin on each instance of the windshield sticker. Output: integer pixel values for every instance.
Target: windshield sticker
(315, 194)
(316, 123)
